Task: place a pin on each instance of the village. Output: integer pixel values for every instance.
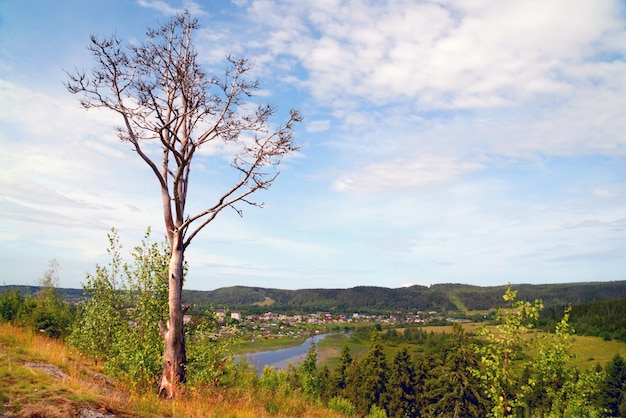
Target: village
(279, 325)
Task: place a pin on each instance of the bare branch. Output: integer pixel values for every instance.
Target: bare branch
(164, 97)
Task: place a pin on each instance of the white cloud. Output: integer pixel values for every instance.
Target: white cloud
(404, 173)
(518, 79)
(447, 55)
(603, 193)
(165, 8)
(318, 126)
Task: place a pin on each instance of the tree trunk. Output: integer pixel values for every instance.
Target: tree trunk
(174, 357)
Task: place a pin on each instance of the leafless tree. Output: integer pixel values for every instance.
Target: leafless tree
(170, 108)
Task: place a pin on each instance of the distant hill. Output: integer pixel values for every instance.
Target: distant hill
(453, 297)
(439, 297)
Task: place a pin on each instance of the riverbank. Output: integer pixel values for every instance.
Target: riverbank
(241, 347)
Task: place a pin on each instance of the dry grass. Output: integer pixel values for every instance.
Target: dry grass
(28, 391)
(28, 386)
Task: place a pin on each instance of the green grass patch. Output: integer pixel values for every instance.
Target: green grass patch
(593, 350)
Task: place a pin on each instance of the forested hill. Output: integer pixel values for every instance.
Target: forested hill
(448, 297)
(457, 297)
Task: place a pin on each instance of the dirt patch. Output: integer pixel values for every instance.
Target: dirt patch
(48, 410)
(49, 370)
(64, 408)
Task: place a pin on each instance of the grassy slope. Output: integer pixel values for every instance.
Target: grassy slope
(28, 391)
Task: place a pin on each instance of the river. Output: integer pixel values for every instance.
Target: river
(282, 358)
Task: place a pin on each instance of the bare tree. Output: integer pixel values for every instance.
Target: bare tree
(170, 108)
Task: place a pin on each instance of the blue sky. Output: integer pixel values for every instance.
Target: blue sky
(464, 141)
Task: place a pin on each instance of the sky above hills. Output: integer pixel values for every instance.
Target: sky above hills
(467, 141)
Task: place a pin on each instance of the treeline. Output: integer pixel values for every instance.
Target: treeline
(363, 299)
(606, 319)
(381, 300)
(552, 295)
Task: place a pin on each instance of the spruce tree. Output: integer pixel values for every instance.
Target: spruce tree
(457, 391)
(373, 373)
(340, 372)
(400, 398)
(614, 385)
(353, 383)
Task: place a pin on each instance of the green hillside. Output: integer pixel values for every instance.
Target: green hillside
(439, 297)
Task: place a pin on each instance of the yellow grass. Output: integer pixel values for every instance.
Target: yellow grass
(31, 392)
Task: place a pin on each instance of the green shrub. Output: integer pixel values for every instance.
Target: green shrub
(342, 405)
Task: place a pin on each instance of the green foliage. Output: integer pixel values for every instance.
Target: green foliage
(400, 400)
(119, 322)
(274, 381)
(454, 389)
(369, 377)
(605, 318)
(209, 354)
(614, 386)
(376, 412)
(378, 300)
(541, 386)
(45, 312)
(100, 321)
(49, 314)
(342, 405)
(497, 374)
(339, 375)
(10, 304)
(307, 374)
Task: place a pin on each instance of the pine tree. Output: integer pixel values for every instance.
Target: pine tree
(400, 398)
(614, 385)
(307, 373)
(353, 383)
(456, 389)
(426, 371)
(340, 372)
(373, 373)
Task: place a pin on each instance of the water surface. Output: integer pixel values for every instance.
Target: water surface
(282, 358)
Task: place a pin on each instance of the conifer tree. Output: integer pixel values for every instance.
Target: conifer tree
(340, 372)
(307, 373)
(373, 373)
(614, 386)
(353, 383)
(400, 398)
(456, 390)
(426, 371)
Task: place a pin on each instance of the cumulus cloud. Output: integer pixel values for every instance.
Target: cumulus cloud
(445, 55)
(468, 79)
(165, 8)
(404, 173)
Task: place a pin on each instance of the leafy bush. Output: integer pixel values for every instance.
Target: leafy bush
(119, 322)
(45, 311)
(342, 405)
(10, 305)
(210, 358)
